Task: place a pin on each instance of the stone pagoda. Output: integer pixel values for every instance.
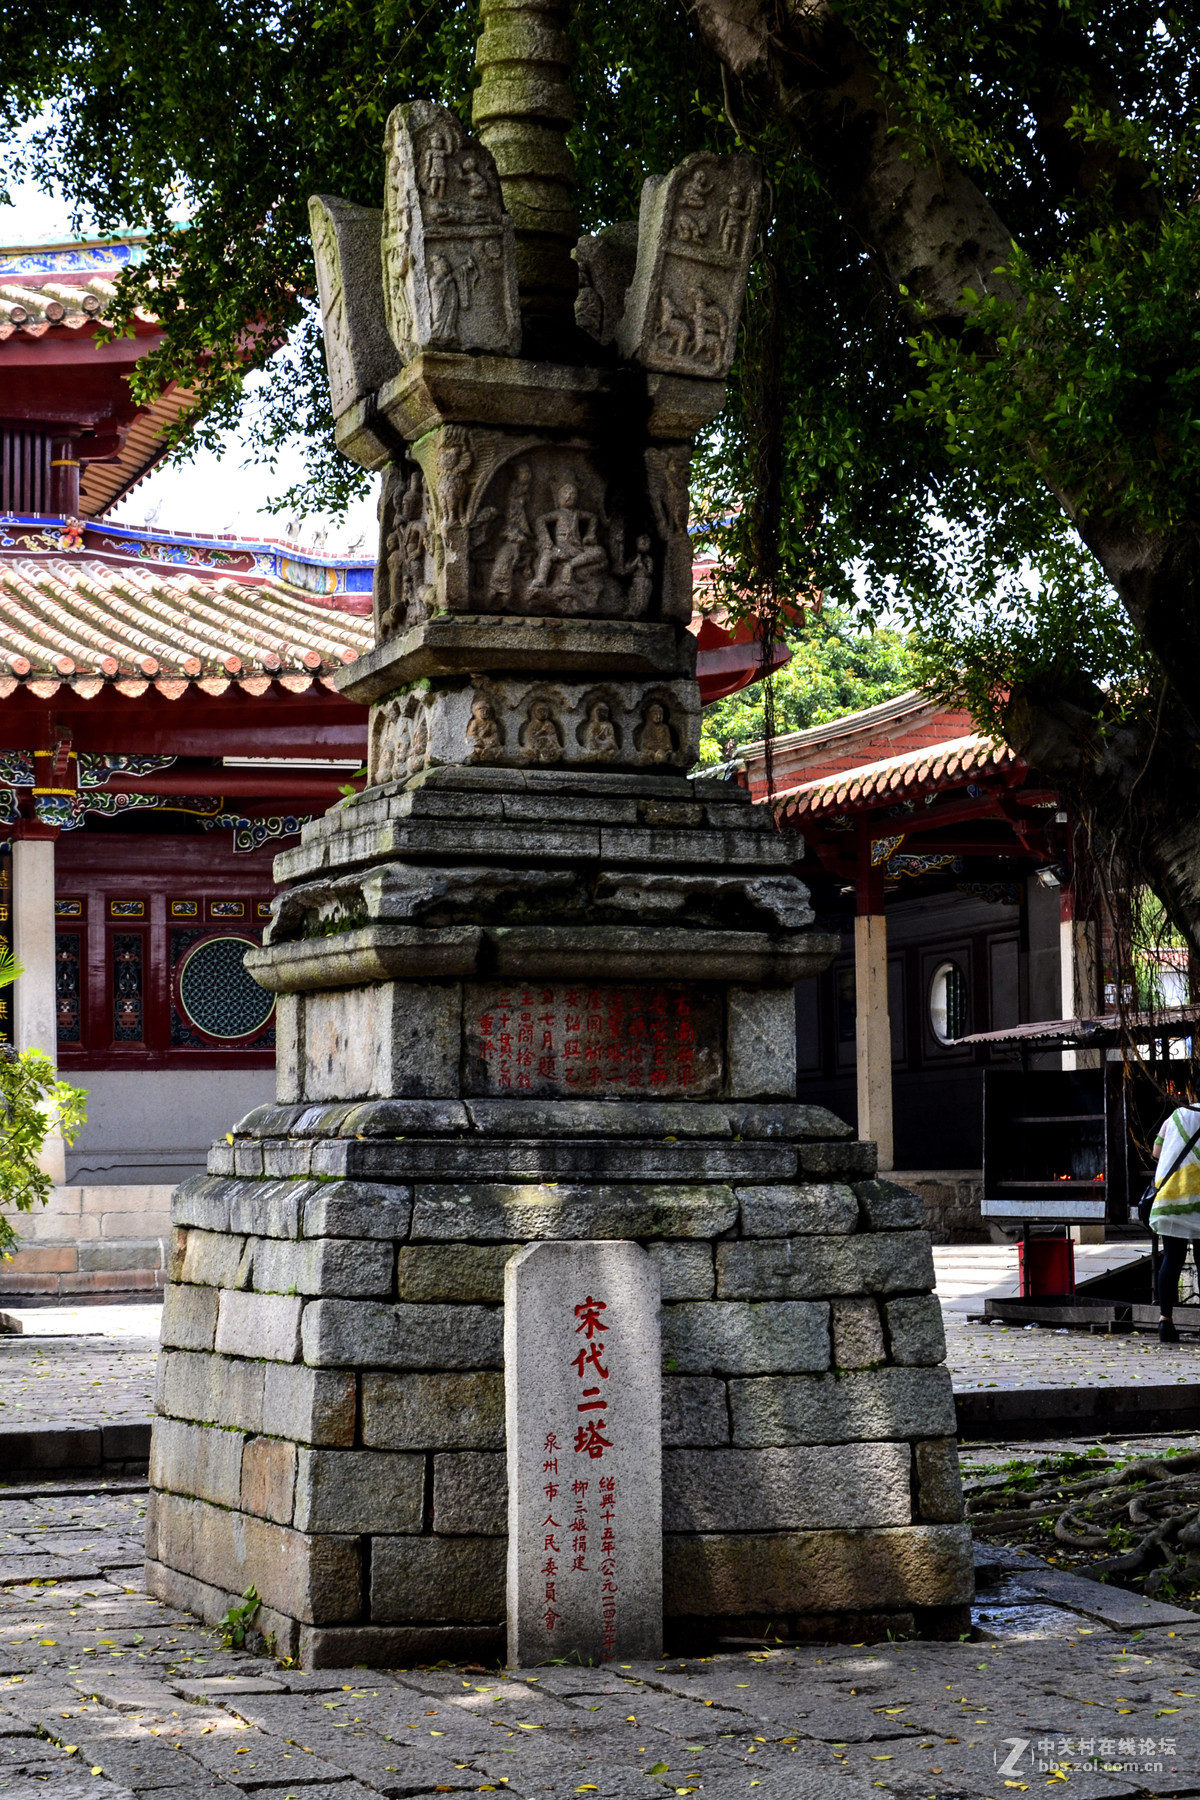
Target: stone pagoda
(534, 983)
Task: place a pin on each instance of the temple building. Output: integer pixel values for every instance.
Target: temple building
(168, 721)
(945, 864)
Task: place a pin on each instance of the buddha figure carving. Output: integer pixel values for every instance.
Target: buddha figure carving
(484, 732)
(656, 742)
(599, 738)
(570, 561)
(541, 736)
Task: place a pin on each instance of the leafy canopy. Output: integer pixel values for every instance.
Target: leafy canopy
(921, 468)
(837, 667)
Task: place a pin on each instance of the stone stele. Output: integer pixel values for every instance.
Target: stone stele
(536, 982)
(583, 1402)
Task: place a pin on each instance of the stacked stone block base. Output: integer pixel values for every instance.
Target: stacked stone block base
(331, 1387)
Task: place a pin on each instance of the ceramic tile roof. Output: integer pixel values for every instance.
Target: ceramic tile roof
(34, 307)
(924, 770)
(81, 623)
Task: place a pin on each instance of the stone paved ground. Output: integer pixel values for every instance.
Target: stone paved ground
(77, 1379)
(104, 1693)
(1014, 1356)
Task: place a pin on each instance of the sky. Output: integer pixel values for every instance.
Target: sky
(215, 491)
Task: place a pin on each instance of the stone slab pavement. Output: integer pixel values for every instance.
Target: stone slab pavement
(105, 1693)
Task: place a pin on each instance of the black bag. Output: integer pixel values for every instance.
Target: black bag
(1146, 1203)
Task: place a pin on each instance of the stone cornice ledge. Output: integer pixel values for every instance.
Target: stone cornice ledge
(539, 953)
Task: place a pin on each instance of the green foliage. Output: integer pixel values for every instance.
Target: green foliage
(32, 1102)
(237, 1620)
(838, 666)
(924, 467)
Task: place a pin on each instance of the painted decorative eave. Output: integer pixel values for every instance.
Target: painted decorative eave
(85, 625)
(974, 758)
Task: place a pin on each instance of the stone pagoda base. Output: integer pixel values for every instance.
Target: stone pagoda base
(456, 1068)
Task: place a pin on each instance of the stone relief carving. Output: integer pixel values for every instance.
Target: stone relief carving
(449, 275)
(516, 722)
(359, 354)
(695, 235)
(598, 735)
(667, 473)
(655, 739)
(606, 263)
(485, 734)
(541, 734)
(402, 583)
(399, 738)
(549, 535)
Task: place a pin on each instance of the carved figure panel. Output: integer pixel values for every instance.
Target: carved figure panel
(359, 354)
(511, 722)
(449, 274)
(606, 263)
(550, 534)
(404, 570)
(695, 236)
(667, 484)
(398, 739)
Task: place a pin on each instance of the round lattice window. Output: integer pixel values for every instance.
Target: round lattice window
(218, 995)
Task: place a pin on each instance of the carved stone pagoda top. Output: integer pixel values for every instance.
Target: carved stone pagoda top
(532, 401)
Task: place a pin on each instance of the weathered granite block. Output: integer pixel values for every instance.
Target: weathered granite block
(176, 1250)
(215, 1390)
(269, 1479)
(695, 1411)
(212, 1259)
(269, 1209)
(939, 1481)
(391, 1038)
(325, 1265)
(745, 1338)
(780, 1212)
(470, 1493)
(818, 1571)
(857, 1334)
(887, 1206)
(437, 1578)
(359, 1490)
(803, 1268)
(434, 1412)
(220, 1162)
(313, 1406)
(824, 1162)
(527, 1213)
(358, 1333)
(761, 1043)
(305, 1577)
(851, 1485)
(247, 1158)
(915, 1330)
(470, 1272)
(357, 1209)
(196, 1460)
(189, 1319)
(260, 1325)
(686, 1270)
(840, 1409)
(286, 1158)
(202, 1202)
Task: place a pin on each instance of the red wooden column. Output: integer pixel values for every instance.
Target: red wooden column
(64, 477)
(873, 1029)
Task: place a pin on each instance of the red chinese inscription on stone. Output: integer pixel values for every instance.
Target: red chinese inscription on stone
(567, 1040)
